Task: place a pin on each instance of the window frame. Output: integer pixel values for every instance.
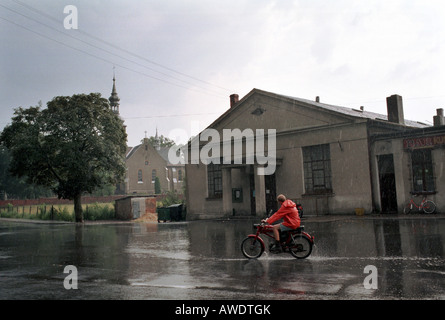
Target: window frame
(214, 181)
(422, 170)
(317, 169)
(153, 175)
(140, 176)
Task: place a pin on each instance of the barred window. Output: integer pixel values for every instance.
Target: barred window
(422, 165)
(214, 180)
(317, 169)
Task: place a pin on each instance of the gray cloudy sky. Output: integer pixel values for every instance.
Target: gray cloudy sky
(177, 61)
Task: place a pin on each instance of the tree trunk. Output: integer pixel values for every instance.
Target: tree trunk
(78, 208)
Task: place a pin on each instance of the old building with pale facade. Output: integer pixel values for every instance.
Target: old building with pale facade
(146, 162)
(329, 158)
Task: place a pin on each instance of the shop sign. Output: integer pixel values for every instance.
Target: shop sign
(424, 142)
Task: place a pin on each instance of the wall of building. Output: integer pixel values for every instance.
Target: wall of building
(299, 124)
(349, 169)
(130, 208)
(145, 158)
(403, 173)
(198, 205)
(439, 172)
(240, 181)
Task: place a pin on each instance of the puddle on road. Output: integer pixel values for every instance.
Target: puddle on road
(409, 256)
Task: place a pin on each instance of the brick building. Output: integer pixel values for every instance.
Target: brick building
(145, 163)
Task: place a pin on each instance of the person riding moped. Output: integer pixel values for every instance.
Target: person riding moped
(291, 220)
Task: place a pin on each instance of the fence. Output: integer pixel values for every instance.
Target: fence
(60, 212)
(20, 211)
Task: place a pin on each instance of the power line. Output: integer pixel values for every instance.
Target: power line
(121, 49)
(171, 116)
(103, 59)
(97, 47)
(107, 51)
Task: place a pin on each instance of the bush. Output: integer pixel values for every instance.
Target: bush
(157, 186)
(171, 197)
(62, 214)
(97, 212)
(92, 212)
(45, 212)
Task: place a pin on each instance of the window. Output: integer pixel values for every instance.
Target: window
(214, 180)
(422, 165)
(317, 169)
(140, 176)
(153, 176)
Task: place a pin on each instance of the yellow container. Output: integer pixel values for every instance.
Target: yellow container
(359, 211)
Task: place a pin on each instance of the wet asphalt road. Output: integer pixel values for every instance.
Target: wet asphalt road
(202, 260)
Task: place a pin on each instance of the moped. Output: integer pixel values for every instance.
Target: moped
(298, 242)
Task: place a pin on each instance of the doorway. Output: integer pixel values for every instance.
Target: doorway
(271, 194)
(387, 182)
(252, 192)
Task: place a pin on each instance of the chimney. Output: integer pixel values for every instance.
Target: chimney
(439, 120)
(394, 105)
(317, 99)
(234, 98)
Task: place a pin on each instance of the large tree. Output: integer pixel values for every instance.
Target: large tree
(74, 146)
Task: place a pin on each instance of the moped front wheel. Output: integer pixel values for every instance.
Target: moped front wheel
(252, 247)
(300, 247)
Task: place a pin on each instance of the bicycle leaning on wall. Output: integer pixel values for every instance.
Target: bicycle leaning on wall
(427, 206)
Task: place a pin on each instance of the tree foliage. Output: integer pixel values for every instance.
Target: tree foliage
(75, 145)
(163, 142)
(12, 187)
(157, 186)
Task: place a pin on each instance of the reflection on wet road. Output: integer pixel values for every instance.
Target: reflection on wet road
(202, 260)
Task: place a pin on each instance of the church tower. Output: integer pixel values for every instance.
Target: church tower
(114, 99)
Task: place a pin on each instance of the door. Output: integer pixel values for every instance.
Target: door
(252, 192)
(387, 181)
(136, 209)
(271, 194)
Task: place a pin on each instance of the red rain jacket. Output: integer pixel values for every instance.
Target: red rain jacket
(289, 213)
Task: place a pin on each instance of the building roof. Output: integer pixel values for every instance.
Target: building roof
(163, 152)
(358, 113)
(349, 112)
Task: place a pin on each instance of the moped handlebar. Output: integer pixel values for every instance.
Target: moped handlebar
(261, 224)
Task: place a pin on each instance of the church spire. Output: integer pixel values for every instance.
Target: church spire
(157, 141)
(114, 99)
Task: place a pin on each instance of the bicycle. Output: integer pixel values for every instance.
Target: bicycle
(427, 206)
(297, 242)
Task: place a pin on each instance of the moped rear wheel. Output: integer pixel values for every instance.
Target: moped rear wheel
(252, 247)
(300, 247)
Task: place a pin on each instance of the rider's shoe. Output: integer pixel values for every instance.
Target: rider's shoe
(276, 247)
